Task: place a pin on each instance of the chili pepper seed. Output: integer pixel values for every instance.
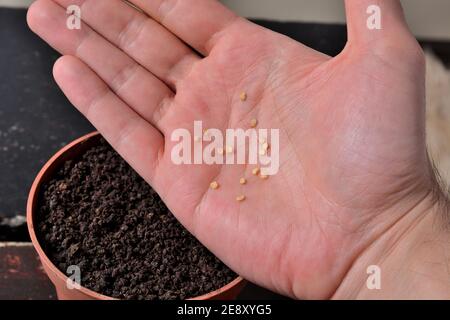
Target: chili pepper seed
(214, 185)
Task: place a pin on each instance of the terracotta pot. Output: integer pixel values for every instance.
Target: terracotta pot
(59, 279)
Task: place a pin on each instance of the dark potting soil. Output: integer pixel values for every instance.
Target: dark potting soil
(100, 215)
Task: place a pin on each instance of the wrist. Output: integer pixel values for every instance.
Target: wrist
(411, 259)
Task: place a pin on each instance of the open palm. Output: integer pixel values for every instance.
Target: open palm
(352, 150)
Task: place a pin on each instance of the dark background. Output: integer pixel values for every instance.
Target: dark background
(36, 119)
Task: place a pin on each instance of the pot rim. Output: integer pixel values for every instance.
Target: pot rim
(32, 196)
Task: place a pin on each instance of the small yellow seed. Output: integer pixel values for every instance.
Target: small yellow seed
(265, 146)
(253, 123)
(256, 171)
(242, 181)
(229, 149)
(262, 152)
(264, 177)
(220, 151)
(240, 198)
(243, 96)
(197, 139)
(214, 185)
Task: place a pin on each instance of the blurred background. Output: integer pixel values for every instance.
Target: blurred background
(36, 119)
(427, 18)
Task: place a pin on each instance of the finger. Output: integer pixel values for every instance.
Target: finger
(373, 22)
(135, 139)
(198, 22)
(140, 89)
(142, 38)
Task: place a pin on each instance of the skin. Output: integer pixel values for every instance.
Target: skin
(355, 186)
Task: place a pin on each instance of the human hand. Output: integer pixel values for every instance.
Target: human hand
(353, 158)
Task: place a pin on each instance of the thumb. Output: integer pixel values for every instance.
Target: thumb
(372, 22)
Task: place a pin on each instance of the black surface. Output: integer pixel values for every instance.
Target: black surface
(13, 229)
(35, 118)
(327, 38)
